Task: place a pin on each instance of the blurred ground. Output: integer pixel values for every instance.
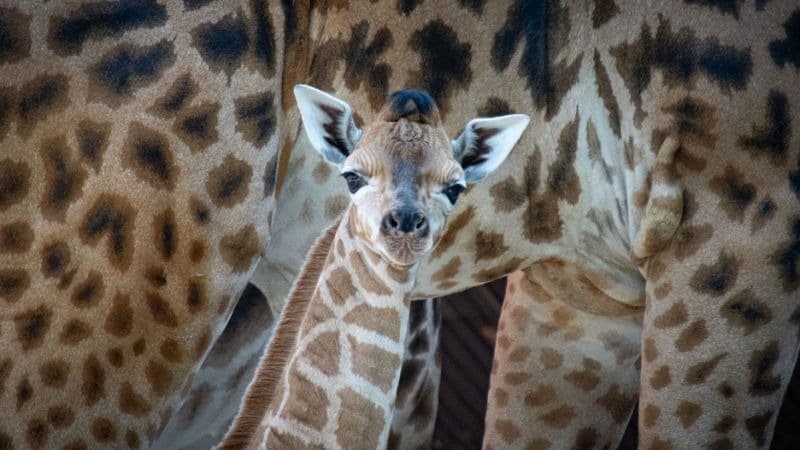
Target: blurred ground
(468, 328)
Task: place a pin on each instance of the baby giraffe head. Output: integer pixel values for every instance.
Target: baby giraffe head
(403, 172)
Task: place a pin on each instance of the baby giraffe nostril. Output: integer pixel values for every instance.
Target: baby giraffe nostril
(420, 223)
(404, 220)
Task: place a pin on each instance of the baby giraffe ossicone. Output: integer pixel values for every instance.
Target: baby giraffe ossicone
(330, 375)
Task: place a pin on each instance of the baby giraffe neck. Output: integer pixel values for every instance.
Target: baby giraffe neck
(340, 383)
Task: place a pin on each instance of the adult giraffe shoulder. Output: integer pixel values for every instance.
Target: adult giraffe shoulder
(329, 377)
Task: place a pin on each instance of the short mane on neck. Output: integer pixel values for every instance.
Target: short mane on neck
(275, 359)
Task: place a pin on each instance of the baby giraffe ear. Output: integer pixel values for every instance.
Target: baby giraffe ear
(485, 143)
(328, 122)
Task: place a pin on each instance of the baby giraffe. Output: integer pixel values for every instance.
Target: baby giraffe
(330, 375)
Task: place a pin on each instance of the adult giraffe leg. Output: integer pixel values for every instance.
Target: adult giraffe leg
(215, 393)
(564, 371)
(720, 328)
(414, 415)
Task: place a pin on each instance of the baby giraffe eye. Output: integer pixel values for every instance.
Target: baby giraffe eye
(354, 181)
(453, 191)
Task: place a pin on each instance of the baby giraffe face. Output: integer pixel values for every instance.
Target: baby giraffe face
(403, 173)
(404, 181)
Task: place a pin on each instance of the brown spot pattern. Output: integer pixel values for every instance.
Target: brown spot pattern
(227, 184)
(103, 430)
(762, 361)
(255, 118)
(716, 279)
(489, 245)
(93, 380)
(60, 416)
(32, 326)
(161, 311)
(39, 98)
(113, 215)
(674, 316)
(74, 332)
(93, 142)
(148, 154)
(374, 363)
(130, 402)
(360, 423)
(63, 178)
(698, 373)
(745, 310)
(616, 403)
(13, 283)
(15, 237)
(368, 279)
(54, 373)
(239, 249)
(88, 293)
(559, 417)
(55, 258)
(735, 194)
(159, 377)
(454, 226)
(14, 182)
(693, 335)
(385, 321)
(119, 320)
(306, 400)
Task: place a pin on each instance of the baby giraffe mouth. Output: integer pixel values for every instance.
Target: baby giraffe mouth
(405, 251)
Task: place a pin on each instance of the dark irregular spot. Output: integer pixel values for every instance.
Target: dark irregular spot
(89, 293)
(222, 44)
(55, 258)
(15, 237)
(362, 69)
(148, 153)
(100, 20)
(240, 249)
(113, 216)
(255, 118)
(165, 231)
(197, 127)
(15, 37)
(63, 178)
(444, 62)
(128, 68)
(682, 58)
(179, 95)
(40, 97)
(787, 51)
(771, 138)
(14, 182)
(93, 141)
(227, 184)
(32, 325)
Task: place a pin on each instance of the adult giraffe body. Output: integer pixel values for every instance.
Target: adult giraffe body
(137, 167)
(652, 203)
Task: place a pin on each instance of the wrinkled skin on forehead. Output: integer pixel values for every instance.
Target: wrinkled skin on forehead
(405, 164)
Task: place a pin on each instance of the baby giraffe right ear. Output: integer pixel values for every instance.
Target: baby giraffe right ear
(328, 122)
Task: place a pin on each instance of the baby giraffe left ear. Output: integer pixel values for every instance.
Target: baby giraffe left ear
(486, 142)
(328, 122)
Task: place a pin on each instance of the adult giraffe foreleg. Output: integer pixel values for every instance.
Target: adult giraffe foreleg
(565, 367)
(414, 414)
